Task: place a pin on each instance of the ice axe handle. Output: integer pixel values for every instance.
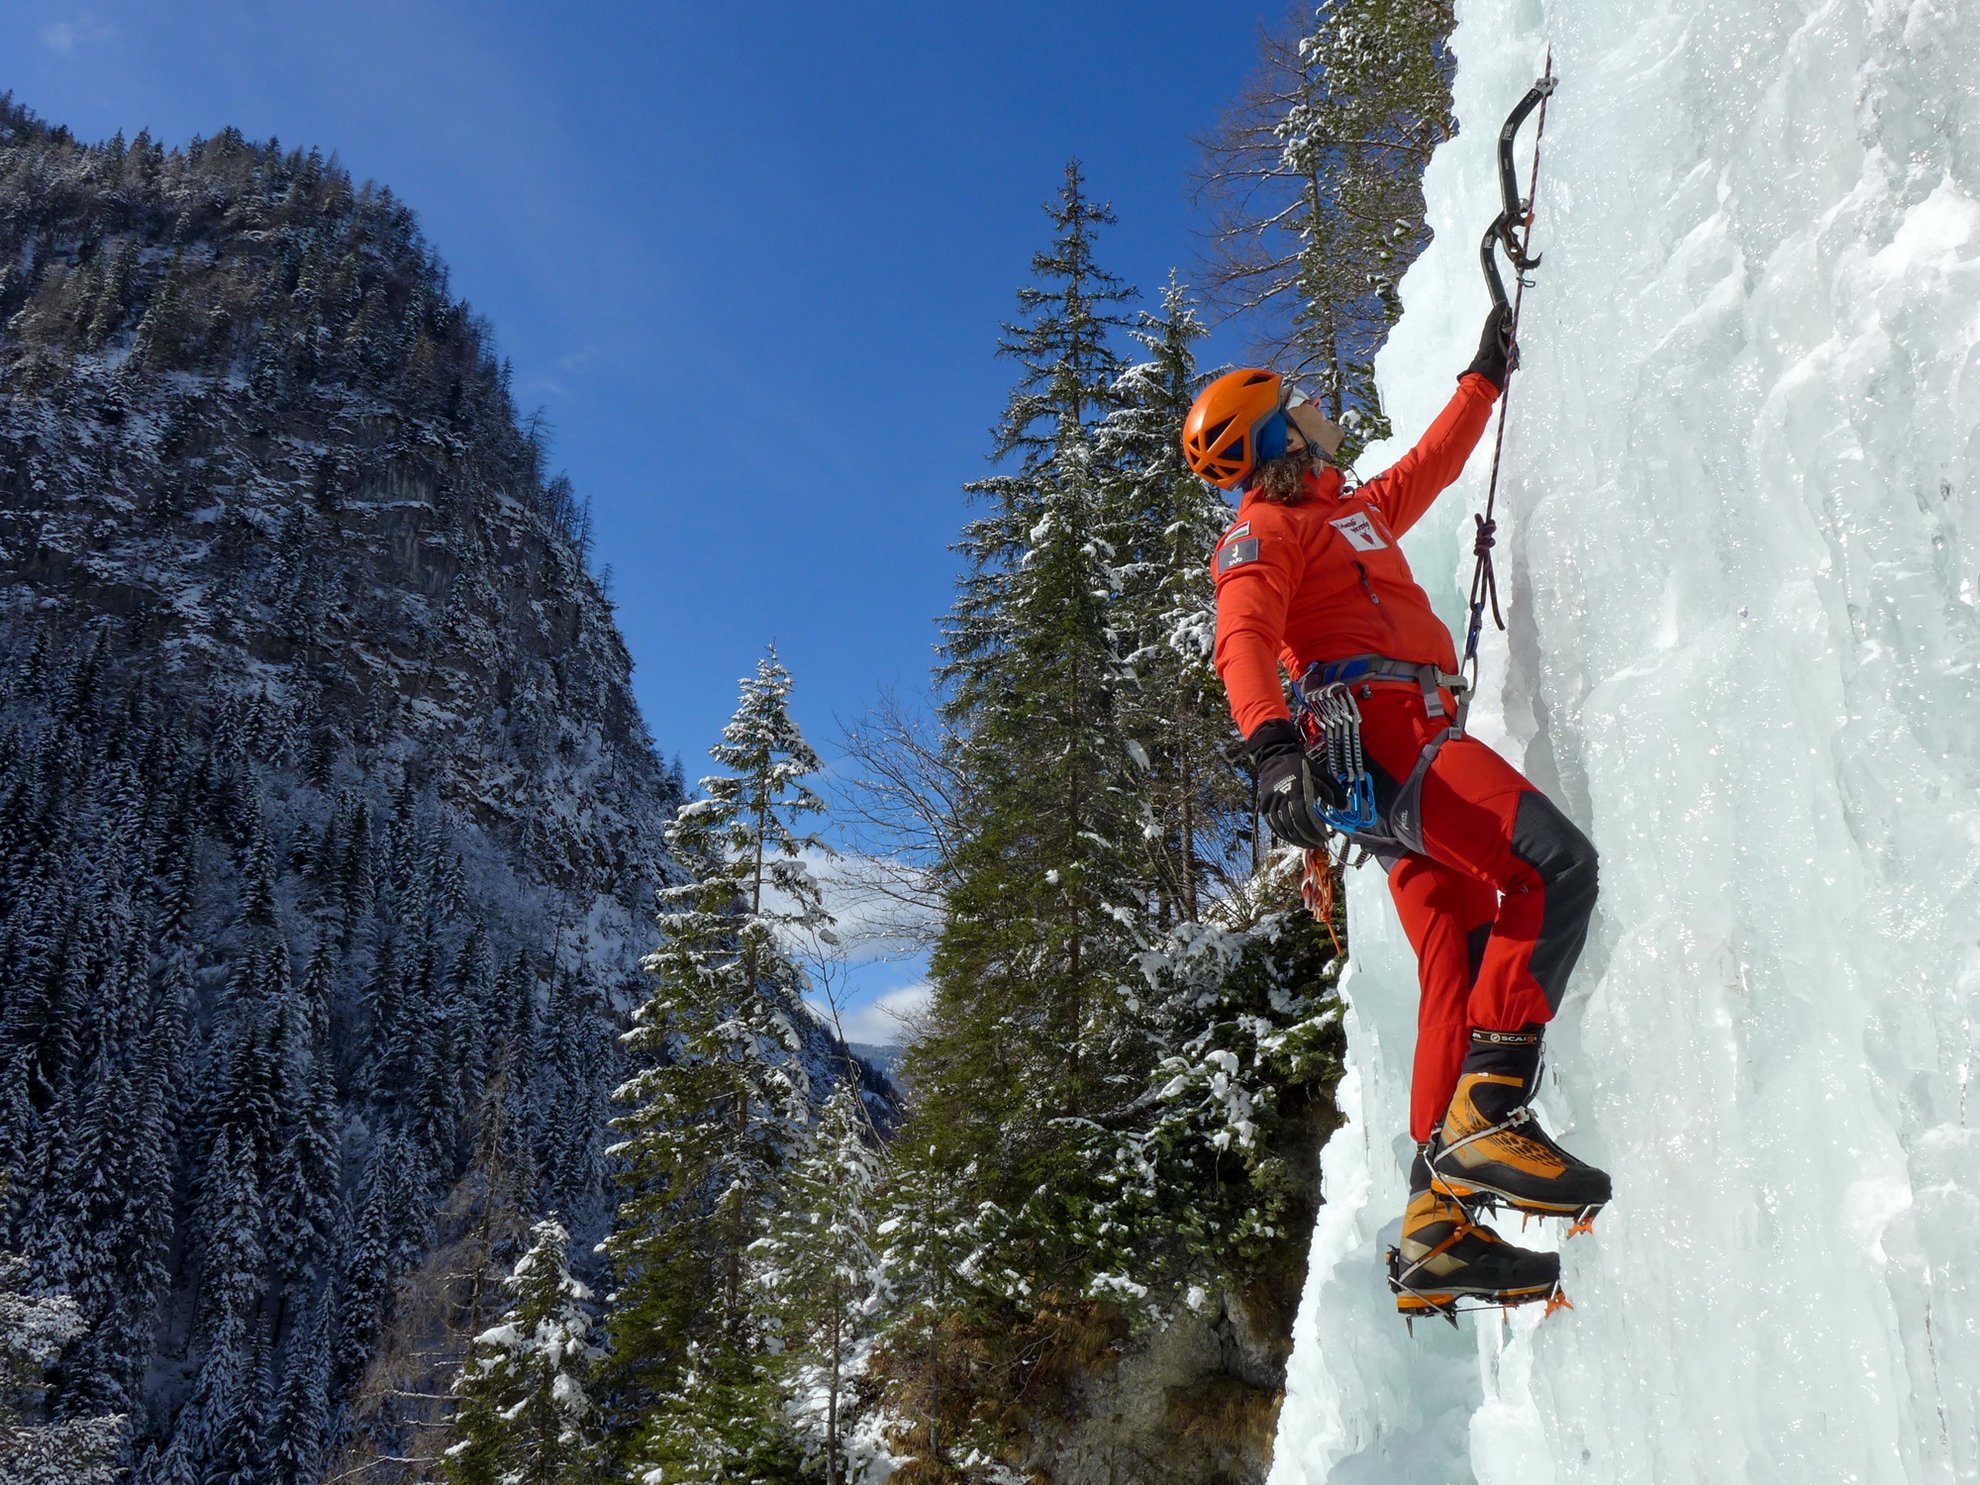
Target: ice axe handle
(1515, 211)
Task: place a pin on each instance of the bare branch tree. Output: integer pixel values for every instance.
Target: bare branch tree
(900, 804)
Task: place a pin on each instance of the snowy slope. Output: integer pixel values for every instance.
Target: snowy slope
(1740, 526)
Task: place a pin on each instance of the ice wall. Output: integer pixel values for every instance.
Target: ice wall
(1741, 532)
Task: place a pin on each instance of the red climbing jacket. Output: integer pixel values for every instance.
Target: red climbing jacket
(1324, 579)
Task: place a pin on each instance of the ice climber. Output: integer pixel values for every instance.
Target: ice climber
(1493, 884)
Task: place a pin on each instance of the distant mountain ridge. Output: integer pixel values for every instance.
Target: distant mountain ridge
(329, 826)
(885, 1059)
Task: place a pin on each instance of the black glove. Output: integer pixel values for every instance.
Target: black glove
(1496, 357)
(1289, 790)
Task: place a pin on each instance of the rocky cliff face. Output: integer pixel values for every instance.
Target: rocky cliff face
(328, 824)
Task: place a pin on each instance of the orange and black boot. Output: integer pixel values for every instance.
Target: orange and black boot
(1491, 1150)
(1444, 1256)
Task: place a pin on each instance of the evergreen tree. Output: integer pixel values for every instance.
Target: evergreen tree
(927, 1270)
(1069, 368)
(370, 1246)
(107, 312)
(1164, 523)
(721, 1097)
(299, 1428)
(302, 1195)
(722, 1424)
(1033, 949)
(35, 1327)
(144, 1241)
(167, 321)
(819, 1263)
(231, 1227)
(103, 1221)
(233, 1413)
(568, 1117)
(1246, 1017)
(524, 1417)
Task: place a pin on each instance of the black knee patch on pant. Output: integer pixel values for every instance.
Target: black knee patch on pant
(1551, 843)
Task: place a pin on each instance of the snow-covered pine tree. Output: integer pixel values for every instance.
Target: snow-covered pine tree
(35, 1328)
(571, 1115)
(304, 1179)
(299, 1427)
(524, 1415)
(231, 1226)
(1244, 1008)
(369, 1241)
(928, 1238)
(720, 1424)
(720, 1098)
(1063, 343)
(818, 1265)
(1026, 1019)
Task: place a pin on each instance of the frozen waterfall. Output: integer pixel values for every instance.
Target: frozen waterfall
(1740, 534)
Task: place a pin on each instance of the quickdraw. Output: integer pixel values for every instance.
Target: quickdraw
(1330, 727)
(1331, 722)
(1512, 231)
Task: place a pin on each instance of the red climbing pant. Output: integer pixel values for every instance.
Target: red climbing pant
(1496, 905)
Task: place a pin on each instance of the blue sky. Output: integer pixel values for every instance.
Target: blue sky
(750, 259)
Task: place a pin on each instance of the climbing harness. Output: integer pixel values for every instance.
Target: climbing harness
(1330, 723)
(1330, 726)
(1512, 231)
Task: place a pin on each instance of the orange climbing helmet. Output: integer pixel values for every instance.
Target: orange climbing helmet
(1236, 423)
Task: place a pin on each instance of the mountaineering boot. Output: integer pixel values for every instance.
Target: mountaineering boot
(1491, 1148)
(1444, 1255)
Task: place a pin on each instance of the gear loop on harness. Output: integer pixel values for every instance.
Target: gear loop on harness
(1330, 724)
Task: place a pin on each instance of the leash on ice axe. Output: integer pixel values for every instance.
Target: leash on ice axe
(1512, 230)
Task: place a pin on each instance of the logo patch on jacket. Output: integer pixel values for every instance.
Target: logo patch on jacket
(1360, 532)
(1236, 554)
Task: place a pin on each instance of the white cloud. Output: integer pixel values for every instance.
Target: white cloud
(883, 1020)
(869, 927)
(66, 36)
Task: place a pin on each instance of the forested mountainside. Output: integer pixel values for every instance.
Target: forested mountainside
(329, 829)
